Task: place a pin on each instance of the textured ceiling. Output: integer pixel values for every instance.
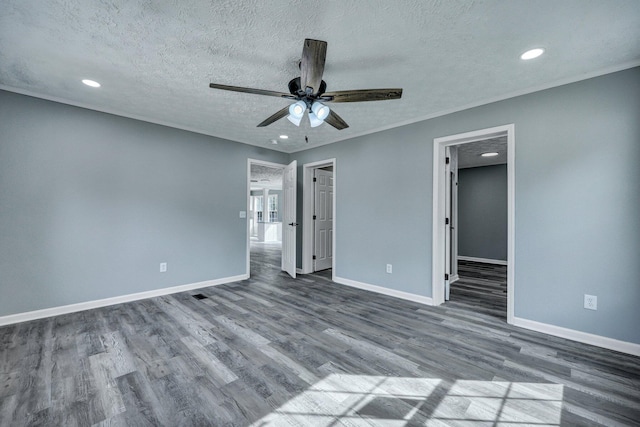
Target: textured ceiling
(155, 60)
(469, 155)
(265, 177)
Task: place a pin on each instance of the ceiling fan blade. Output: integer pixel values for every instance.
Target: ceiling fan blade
(314, 54)
(336, 121)
(250, 90)
(277, 116)
(362, 95)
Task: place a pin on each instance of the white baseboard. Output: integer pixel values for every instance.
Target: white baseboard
(385, 291)
(583, 337)
(72, 308)
(484, 260)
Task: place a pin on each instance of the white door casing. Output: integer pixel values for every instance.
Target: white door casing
(308, 211)
(323, 219)
(289, 225)
(438, 218)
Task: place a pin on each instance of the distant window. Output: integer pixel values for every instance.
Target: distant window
(258, 208)
(273, 208)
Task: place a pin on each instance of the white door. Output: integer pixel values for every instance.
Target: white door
(289, 219)
(447, 225)
(323, 219)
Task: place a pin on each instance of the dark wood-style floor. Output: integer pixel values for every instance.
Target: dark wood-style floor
(482, 288)
(307, 352)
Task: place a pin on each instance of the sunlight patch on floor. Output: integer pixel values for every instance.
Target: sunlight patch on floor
(355, 400)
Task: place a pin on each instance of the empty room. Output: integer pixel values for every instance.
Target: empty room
(293, 213)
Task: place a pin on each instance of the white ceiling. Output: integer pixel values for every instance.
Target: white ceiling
(155, 59)
(470, 154)
(266, 177)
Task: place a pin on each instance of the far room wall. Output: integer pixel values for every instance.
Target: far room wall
(482, 212)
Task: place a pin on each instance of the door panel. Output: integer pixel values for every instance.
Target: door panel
(323, 224)
(289, 219)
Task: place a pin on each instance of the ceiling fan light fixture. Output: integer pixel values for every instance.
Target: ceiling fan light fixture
(320, 110)
(295, 120)
(296, 111)
(314, 120)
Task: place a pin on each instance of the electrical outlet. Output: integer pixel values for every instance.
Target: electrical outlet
(163, 267)
(389, 268)
(590, 302)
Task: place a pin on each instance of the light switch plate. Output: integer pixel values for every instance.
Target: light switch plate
(243, 214)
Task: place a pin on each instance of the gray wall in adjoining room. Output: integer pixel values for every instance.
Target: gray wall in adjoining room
(482, 212)
(91, 203)
(577, 212)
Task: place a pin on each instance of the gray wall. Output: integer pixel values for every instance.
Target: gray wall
(91, 203)
(482, 212)
(577, 225)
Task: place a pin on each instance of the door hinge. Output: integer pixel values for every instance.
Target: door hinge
(314, 217)
(314, 257)
(315, 179)
(446, 161)
(446, 277)
(446, 221)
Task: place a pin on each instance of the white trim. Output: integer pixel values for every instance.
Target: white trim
(384, 291)
(73, 308)
(438, 205)
(249, 163)
(583, 337)
(307, 215)
(454, 278)
(483, 260)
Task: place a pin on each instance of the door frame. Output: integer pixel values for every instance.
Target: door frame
(248, 242)
(438, 229)
(307, 215)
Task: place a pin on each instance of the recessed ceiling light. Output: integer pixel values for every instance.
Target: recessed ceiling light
(492, 154)
(533, 53)
(91, 83)
(284, 136)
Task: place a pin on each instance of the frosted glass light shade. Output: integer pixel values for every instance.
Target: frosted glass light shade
(320, 110)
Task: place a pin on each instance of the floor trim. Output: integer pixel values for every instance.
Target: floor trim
(583, 337)
(72, 308)
(385, 291)
(483, 260)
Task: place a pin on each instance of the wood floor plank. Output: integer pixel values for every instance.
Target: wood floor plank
(272, 350)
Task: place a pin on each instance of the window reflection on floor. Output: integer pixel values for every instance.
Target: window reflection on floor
(397, 401)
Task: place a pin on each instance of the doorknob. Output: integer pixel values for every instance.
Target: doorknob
(293, 224)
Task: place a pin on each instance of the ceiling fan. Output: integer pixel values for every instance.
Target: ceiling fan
(309, 92)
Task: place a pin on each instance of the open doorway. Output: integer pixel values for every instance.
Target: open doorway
(319, 195)
(265, 214)
(480, 261)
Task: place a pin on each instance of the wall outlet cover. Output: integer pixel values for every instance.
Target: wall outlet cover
(590, 302)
